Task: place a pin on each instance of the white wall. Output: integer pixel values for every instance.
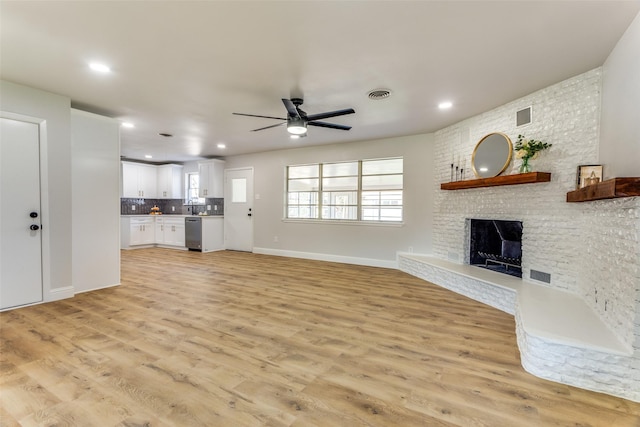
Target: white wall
(56, 173)
(95, 145)
(566, 115)
(620, 123)
(590, 249)
(612, 228)
(360, 244)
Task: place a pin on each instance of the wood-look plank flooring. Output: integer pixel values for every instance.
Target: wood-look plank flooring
(239, 339)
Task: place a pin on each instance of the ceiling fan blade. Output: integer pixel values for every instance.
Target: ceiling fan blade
(329, 125)
(291, 108)
(330, 114)
(254, 115)
(268, 127)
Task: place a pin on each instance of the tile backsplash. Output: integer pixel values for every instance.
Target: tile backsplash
(170, 206)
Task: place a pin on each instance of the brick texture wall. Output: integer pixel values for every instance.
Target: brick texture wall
(591, 249)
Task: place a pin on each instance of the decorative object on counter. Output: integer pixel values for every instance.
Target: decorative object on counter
(492, 155)
(155, 210)
(527, 149)
(589, 175)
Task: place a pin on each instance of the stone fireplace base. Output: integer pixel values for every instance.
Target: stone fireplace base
(559, 337)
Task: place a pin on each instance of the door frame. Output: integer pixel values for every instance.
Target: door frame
(228, 196)
(45, 236)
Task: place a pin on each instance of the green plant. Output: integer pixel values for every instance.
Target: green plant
(529, 148)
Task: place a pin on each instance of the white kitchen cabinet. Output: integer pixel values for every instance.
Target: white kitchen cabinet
(170, 231)
(139, 180)
(169, 182)
(141, 231)
(159, 231)
(212, 233)
(211, 178)
(129, 180)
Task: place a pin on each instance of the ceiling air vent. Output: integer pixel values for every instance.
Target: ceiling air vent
(379, 94)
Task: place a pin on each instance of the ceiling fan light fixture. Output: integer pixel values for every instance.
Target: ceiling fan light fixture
(296, 126)
(297, 130)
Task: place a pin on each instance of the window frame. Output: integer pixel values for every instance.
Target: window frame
(187, 181)
(359, 206)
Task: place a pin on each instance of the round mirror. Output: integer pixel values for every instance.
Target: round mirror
(491, 155)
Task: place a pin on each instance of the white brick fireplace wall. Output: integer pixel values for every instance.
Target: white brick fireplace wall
(565, 115)
(589, 249)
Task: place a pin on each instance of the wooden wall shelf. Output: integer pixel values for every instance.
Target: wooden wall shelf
(521, 178)
(610, 189)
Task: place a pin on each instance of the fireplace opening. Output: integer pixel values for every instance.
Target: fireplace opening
(496, 245)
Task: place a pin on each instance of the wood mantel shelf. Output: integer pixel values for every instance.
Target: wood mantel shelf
(609, 189)
(521, 178)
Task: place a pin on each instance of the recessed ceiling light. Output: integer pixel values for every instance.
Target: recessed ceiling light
(148, 156)
(445, 105)
(222, 146)
(128, 125)
(101, 68)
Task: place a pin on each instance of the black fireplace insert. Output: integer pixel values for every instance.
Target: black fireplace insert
(496, 245)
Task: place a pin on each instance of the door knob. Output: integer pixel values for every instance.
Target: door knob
(34, 227)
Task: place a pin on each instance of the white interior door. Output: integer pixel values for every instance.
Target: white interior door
(238, 209)
(20, 222)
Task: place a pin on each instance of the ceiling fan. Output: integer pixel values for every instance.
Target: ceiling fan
(297, 120)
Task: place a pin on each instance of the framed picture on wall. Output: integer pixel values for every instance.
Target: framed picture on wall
(589, 175)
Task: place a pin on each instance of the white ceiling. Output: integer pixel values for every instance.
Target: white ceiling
(184, 67)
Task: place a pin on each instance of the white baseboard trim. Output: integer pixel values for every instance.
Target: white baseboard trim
(370, 262)
(60, 293)
(98, 288)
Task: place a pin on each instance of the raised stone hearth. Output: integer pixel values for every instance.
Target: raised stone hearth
(559, 336)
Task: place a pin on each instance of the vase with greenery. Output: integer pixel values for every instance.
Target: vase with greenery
(527, 149)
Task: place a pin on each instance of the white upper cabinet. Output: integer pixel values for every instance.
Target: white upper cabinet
(139, 180)
(151, 182)
(148, 181)
(130, 180)
(211, 179)
(170, 182)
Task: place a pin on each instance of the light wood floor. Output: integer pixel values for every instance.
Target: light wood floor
(237, 339)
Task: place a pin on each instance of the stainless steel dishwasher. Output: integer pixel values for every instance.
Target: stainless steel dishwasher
(193, 233)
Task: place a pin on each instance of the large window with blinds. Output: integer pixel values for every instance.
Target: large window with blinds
(362, 190)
